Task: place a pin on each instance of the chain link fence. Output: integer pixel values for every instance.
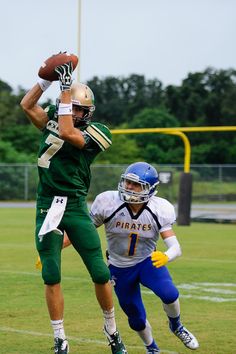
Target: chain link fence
(18, 182)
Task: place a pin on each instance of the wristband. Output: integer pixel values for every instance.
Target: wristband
(44, 84)
(65, 109)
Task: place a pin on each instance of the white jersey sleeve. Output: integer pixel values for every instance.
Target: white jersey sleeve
(165, 213)
(101, 207)
(131, 237)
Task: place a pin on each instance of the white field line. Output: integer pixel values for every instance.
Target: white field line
(216, 284)
(198, 297)
(214, 288)
(200, 287)
(208, 298)
(75, 339)
(209, 260)
(208, 290)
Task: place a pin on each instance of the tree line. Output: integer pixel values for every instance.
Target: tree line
(205, 98)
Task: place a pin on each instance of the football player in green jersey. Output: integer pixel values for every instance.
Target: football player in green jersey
(68, 146)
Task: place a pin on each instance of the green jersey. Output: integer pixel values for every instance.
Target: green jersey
(63, 168)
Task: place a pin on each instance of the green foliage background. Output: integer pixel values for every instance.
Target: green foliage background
(205, 98)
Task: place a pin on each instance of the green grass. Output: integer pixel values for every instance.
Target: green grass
(209, 256)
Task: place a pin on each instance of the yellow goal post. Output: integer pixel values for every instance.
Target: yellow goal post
(185, 187)
(179, 131)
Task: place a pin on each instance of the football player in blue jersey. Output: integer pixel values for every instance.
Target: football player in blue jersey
(134, 218)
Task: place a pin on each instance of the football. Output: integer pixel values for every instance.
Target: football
(46, 70)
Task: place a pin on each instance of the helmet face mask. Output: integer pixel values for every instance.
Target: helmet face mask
(83, 119)
(145, 177)
(82, 97)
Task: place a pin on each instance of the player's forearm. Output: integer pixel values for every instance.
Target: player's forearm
(67, 131)
(173, 248)
(70, 134)
(33, 111)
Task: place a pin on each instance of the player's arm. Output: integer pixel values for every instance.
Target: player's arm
(30, 106)
(67, 131)
(173, 251)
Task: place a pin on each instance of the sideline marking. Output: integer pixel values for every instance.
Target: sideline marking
(209, 288)
(208, 298)
(196, 291)
(198, 297)
(216, 284)
(199, 287)
(80, 340)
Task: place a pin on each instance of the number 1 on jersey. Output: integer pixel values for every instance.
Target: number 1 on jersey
(133, 242)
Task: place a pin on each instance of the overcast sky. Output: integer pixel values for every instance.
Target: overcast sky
(164, 39)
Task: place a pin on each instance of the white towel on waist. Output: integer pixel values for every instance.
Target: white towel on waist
(54, 216)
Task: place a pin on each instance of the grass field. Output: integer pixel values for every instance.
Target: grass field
(205, 276)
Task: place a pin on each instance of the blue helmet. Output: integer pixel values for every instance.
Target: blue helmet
(144, 174)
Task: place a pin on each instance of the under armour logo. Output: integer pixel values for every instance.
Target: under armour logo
(43, 211)
(59, 200)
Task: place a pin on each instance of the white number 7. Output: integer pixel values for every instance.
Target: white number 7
(55, 145)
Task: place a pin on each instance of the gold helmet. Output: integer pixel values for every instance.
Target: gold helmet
(82, 95)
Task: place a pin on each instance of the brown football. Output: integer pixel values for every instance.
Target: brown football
(46, 70)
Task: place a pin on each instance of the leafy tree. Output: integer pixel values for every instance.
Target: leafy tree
(155, 147)
(122, 151)
(119, 99)
(16, 127)
(9, 154)
(5, 87)
(25, 138)
(203, 99)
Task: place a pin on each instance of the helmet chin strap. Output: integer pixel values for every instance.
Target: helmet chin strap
(80, 121)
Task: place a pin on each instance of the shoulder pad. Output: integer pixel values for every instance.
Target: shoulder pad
(100, 134)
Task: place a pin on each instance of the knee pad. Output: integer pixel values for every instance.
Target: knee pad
(170, 294)
(137, 324)
(99, 272)
(51, 273)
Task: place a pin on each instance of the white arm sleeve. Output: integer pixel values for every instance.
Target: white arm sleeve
(174, 249)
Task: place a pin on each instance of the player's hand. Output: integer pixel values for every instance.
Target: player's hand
(38, 264)
(65, 75)
(159, 259)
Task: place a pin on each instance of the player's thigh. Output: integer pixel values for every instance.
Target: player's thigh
(49, 248)
(85, 239)
(50, 243)
(81, 231)
(127, 289)
(159, 281)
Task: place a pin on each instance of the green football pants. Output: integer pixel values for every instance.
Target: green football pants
(83, 236)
